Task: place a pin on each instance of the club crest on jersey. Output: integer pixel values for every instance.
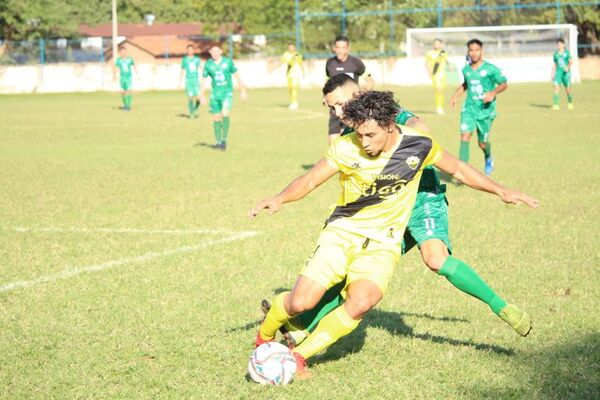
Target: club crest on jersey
(412, 162)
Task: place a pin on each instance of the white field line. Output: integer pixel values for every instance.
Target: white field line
(122, 230)
(74, 271)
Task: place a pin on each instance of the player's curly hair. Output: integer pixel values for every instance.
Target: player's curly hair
(375, 105)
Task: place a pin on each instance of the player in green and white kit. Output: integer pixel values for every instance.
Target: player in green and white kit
(220, 70)
(125, 65)
(482, 82)
(561, 74)
(427, 228)
(190, 65)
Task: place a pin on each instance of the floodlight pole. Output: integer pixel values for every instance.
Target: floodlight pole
(114, 30)
(297, 16)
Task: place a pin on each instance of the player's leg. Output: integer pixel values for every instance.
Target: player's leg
(215, 106)
(467, 127)
(567, 85)
(484, 127)
(368, 276)
(439, 85)
(555, 95)
(293, 88)
(226, 110)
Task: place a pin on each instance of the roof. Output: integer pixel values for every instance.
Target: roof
(129, 30)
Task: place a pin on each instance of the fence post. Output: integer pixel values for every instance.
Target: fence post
(392, 27)
(230, 45)
(42, 51)
(557, 5)
(343, 17)
(297, 16)
(440, 17)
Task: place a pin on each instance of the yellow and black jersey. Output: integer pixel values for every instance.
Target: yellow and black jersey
(378, 193)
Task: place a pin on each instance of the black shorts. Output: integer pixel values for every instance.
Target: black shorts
(335, 125)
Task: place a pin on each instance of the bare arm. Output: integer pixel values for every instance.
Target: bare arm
(553, 70)
(418, 124)
(568, 69)
(476, 180)
(489, 96)
(203, 87)
(240, 84)
(457, 93)
(296, 190)
(369, 83)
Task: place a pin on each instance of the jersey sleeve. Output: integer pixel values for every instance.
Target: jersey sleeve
(361, 69)
(499, 77)
(327, 68)
(205, 72)
(332, 156)
(404, 116)
(435, 153)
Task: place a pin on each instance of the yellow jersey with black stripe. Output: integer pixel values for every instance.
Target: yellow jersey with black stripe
(378, 193)
(437, 61)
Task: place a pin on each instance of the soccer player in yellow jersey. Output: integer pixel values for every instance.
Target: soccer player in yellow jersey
(293, 60)
(379, 166)
(436, 61)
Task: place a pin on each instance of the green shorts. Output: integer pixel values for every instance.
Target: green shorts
(192, 88)
(562, 78)
(469, 122)
(220, 103)
(126, 84)
(429, 220)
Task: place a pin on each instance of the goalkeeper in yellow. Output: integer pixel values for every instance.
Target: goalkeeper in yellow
(436, 61)
(379, 166)
(293, 61)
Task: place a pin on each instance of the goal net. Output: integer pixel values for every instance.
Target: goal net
(523, 52)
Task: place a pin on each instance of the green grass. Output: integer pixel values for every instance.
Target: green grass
(181, 325)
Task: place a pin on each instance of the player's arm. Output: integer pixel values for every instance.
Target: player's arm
(489, 96)
(476, 180)
(296, 190)
(457, 93)
(203, 86)
(553, 70)
(568, 69)
(417, 123)
(240, 85)
(368, 82)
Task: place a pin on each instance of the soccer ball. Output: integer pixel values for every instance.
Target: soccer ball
(272, 364)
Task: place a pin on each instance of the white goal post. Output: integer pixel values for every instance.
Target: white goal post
(523, 52)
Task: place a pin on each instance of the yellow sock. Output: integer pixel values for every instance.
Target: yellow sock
(334, 326)
(294, 94)
(439, 99)
(276, 317)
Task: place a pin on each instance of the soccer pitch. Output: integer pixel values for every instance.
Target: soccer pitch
(129, 269)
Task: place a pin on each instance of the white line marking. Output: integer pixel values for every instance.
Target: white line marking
(71, 272)
(21, 229)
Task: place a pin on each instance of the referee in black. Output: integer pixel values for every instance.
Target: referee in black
(344, 63)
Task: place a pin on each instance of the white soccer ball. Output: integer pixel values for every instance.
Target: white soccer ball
(272, 364)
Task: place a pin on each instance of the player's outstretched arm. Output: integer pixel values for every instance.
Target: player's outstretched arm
(476, 180)
(489, 96)
(457, 93)
(296, 190)
(203, 87)
(241, 87)
(369, 83)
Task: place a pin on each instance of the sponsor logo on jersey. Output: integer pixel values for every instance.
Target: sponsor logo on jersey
(483, 73)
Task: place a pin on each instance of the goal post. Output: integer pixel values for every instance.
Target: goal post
(523, 52)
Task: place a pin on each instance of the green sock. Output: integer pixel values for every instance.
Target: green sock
(570, 98)
(129, 97)
(555, 99)
(331, 299)
(467, 280)
(225, 128)
(463, 153)
(487, 150)
(191, 107)
(124, 100)
(217, 127)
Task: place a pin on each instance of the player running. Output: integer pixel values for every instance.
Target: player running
(189, 66)
(125, 65)
(380, 166)
(482, 82)
(561, 74)
(427, 228)
(220, 70)
(344, 63)
(436, 61)
(293, 60)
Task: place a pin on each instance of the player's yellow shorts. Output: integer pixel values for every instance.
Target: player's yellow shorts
(340, 254)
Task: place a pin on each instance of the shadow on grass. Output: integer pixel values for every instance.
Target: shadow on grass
(566, 371)
(393, 323)
(204, 144)
(539, 105)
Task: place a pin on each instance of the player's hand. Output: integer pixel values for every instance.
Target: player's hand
(489, 97)
(516, 198)
(452, 102)
(272, 204)
(203, 100)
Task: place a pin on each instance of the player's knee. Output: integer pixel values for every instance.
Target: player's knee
(483, 145)
(301, 302)
(359, 304)
(435, 261)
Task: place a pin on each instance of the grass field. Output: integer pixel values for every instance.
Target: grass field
(128, 267)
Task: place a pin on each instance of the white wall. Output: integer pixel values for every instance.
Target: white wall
(255, 74)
